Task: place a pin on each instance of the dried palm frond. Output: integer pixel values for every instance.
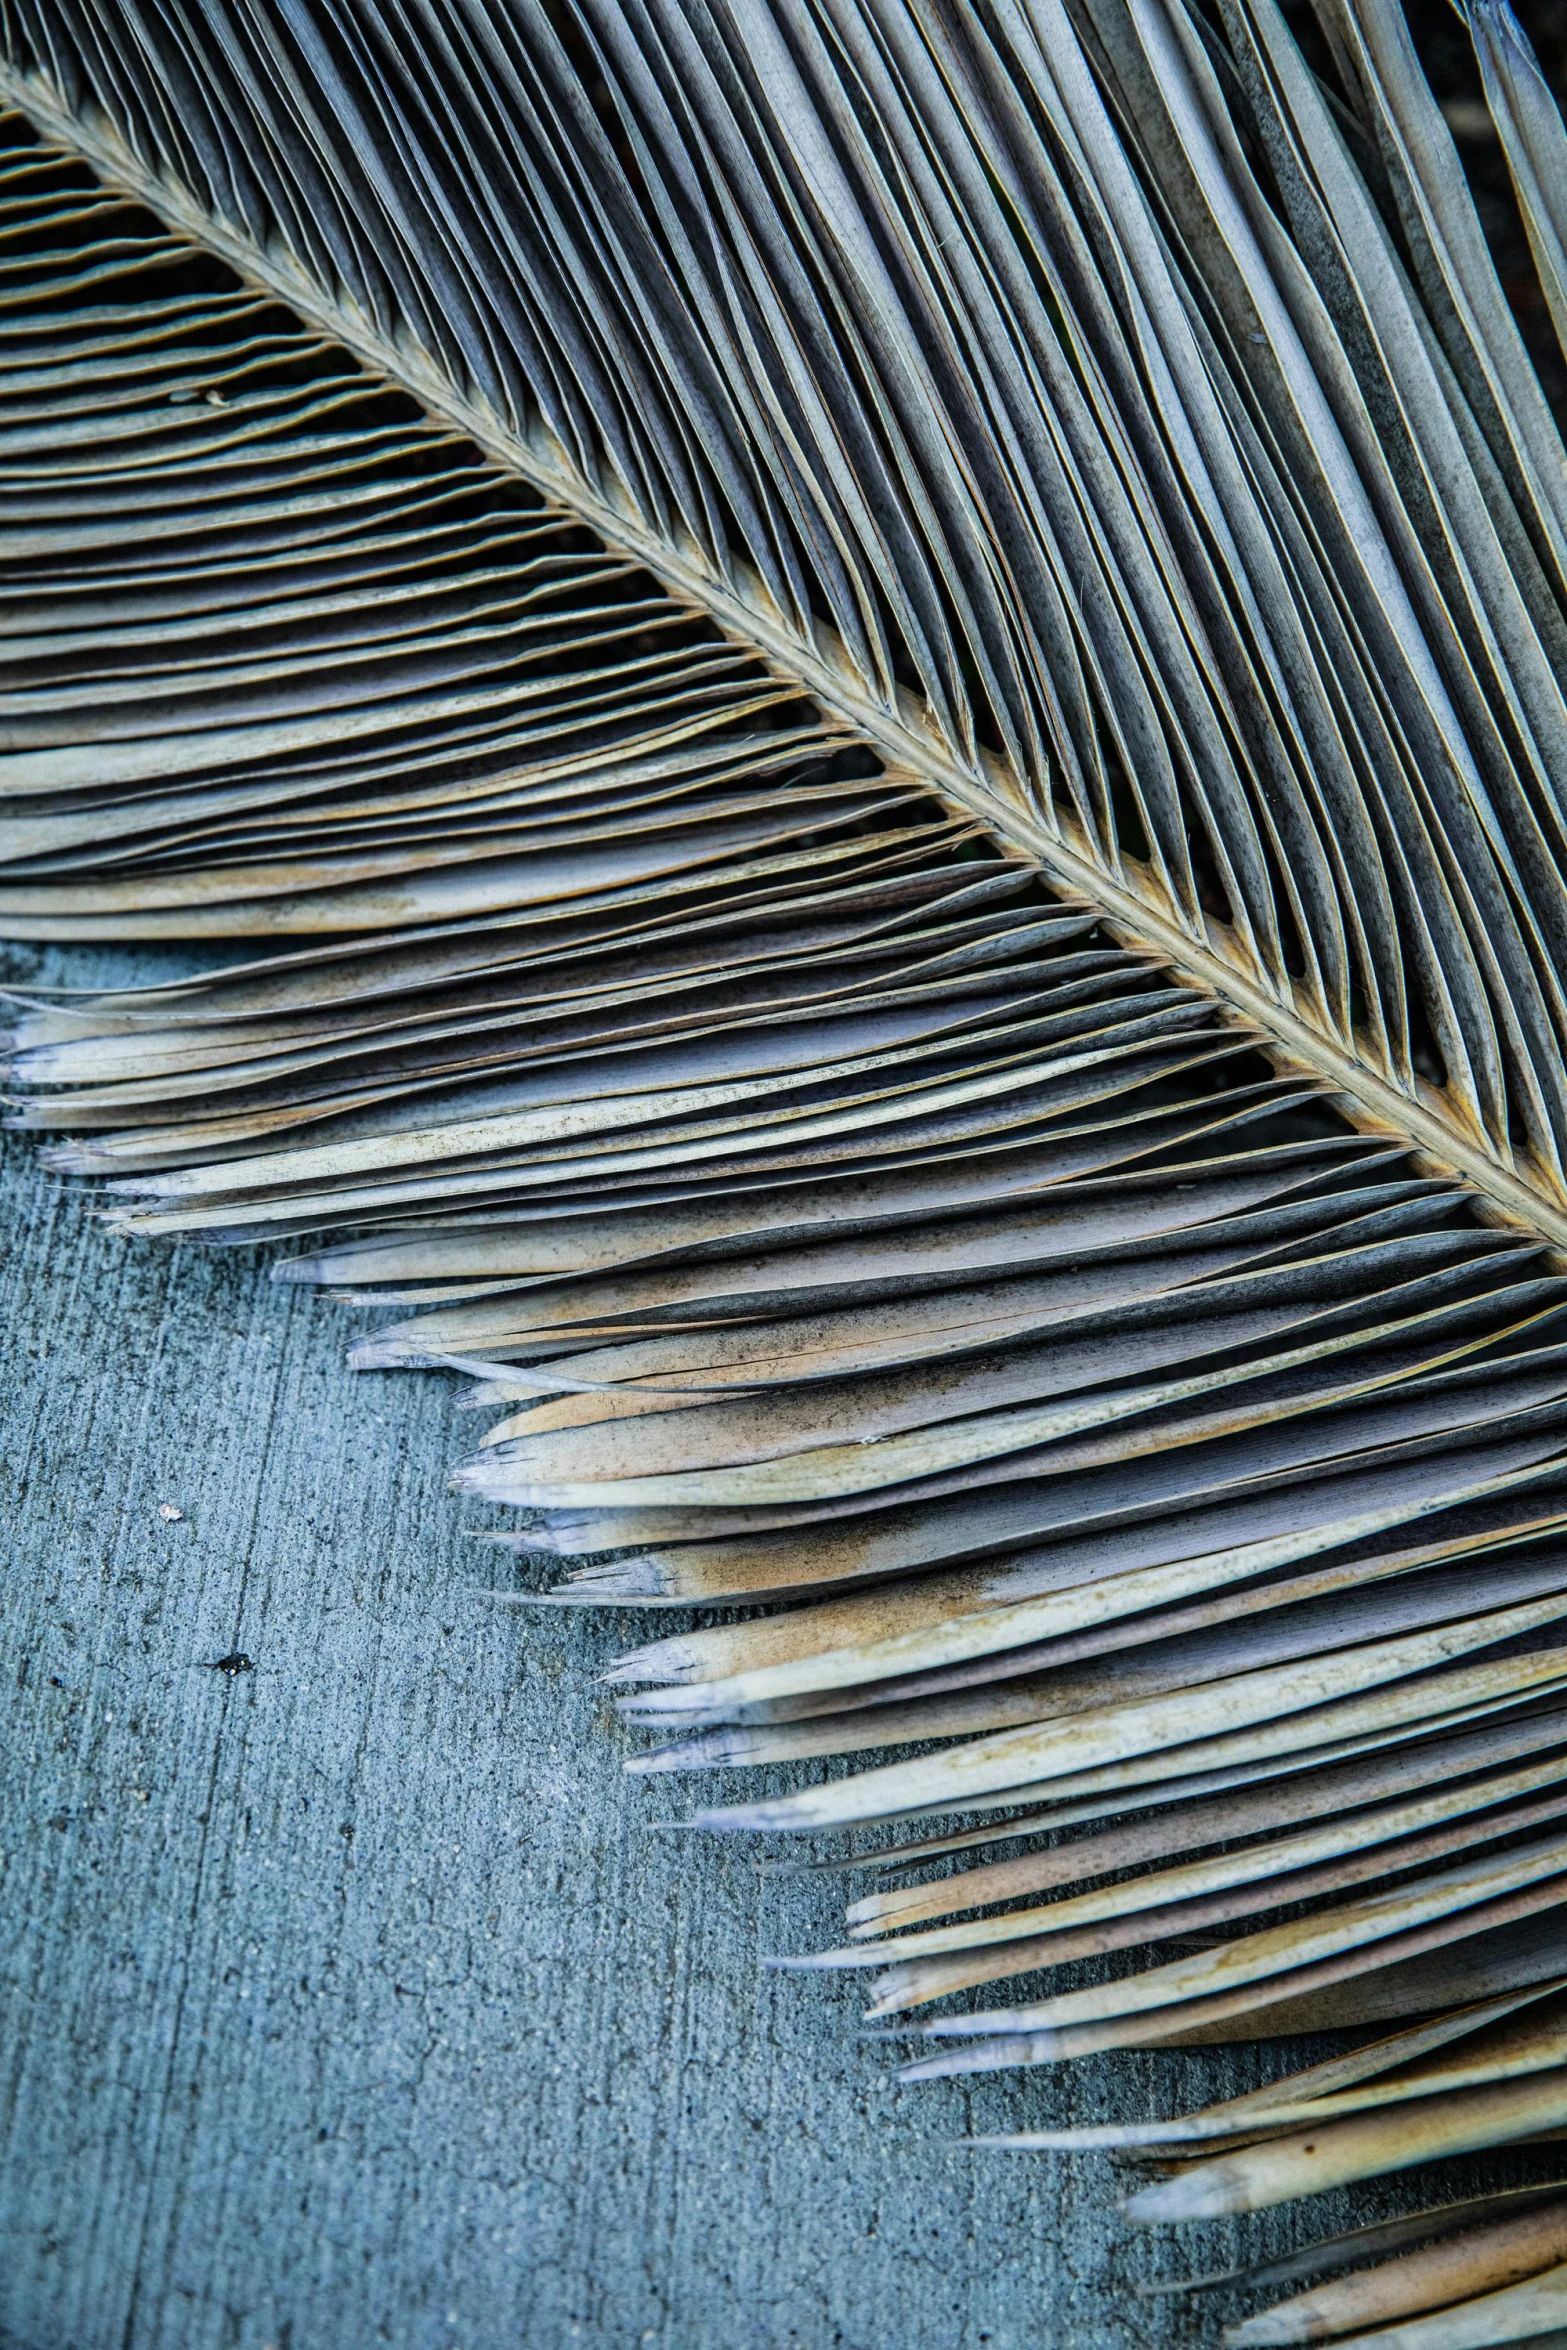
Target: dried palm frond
(909, 668)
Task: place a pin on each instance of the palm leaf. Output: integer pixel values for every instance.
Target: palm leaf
(911, 667)
(1221, 606)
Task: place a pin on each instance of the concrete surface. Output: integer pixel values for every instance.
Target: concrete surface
(350, 1999)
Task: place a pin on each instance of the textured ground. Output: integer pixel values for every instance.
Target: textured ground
(350, 1999)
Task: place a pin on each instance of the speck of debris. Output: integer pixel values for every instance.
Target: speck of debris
(169, 1511)
(234, 1662)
